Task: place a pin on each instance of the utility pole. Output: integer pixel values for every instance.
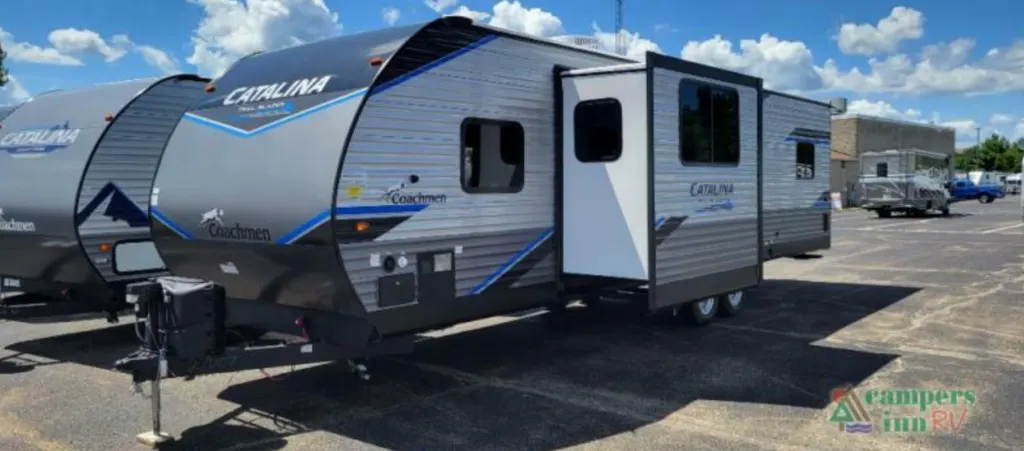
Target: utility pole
(977, 148)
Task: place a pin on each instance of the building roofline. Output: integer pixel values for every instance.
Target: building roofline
(893, 121)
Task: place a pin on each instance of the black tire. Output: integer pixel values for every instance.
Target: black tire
(730, 304)
(883, 213)
(945, 211)
(700, 312)
(985, 199)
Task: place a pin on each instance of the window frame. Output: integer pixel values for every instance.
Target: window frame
(521, 177)
(878, 166)
(697, 84)
(814, 160)
(576, 124)
(114, 253)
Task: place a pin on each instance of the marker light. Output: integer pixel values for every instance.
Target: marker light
(105, 247)
(108, 117)
(376, 61)
(362, 226)
(209, 88)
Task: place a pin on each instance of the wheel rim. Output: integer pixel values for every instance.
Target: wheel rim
(735, 298)
(706, 306)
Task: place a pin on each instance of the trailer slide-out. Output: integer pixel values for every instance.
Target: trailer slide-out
(75, 182)
(354, 191)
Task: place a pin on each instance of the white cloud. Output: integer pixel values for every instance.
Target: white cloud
(440, 5)
(159, 59)
(636, 47)
(865, 39)
(466, 12)
(514, 16)
(391, 15)
(231, 29)
(881, 109)
(13, 92)
(1000, 119)
(786, 65)
(31, 53)
(72, 41)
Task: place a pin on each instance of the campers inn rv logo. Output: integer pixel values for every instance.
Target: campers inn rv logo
(213, 221)
(35, 142)
(903, 410)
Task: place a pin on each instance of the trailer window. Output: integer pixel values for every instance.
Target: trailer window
(709, 124)
(492, 156)
(882, 170)
(597, 130)
(804, 161)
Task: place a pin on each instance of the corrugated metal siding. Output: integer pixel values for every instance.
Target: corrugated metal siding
(712, 243)
(128, 155)
(789, 212)
(415, 129)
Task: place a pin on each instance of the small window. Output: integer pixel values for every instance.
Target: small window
(709, 124)
(882, 170)
(597, 128)
(804, 161)
(493, 154)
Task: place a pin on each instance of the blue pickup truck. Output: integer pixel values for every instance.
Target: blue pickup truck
(964, 189)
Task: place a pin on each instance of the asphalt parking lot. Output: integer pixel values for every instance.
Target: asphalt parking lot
(921, 303)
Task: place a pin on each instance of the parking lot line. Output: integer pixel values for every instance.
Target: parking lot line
(1002, 228)
(895, 224)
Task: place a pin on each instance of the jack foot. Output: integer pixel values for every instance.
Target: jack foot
(154, 439)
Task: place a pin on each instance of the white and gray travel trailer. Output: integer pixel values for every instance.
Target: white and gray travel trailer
(75, 184)
(359, 189)
(1012, 184)
(795, 175)
(912, 181)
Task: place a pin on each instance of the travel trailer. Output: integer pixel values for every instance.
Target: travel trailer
(75, 184)
(911, 181)
(796, 134)
(1012, 184)
(351, 192)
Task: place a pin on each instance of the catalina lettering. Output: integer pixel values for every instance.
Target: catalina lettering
(301, 87)
(711, 189)
(40, 138)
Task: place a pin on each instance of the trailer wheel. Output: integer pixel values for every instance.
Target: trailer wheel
(945, 211)
(730, 304)
(884, 213)
(700, 312)
(985, 199)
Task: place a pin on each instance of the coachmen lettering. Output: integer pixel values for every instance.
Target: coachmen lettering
(275, 91)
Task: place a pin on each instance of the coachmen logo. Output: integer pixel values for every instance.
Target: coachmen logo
(213, 221)
(396, 195)
(35, 142)
(11, 225)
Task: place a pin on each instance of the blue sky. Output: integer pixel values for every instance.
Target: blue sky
(912, 60)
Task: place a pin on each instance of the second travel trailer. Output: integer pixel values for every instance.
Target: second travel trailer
(910, 181)
(75, 182)
(354, 191)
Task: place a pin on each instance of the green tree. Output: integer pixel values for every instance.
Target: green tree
(996, 153)
(4, 78)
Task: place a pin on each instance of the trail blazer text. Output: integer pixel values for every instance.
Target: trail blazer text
(300, 87)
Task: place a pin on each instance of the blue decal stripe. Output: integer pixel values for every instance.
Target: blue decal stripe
(272, 125)
(659, 222)
(519, 256)
(170, 224)
(808, 140)
(325, 215)
(432, 65)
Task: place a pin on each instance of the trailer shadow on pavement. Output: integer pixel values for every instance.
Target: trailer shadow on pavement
(539, 382)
